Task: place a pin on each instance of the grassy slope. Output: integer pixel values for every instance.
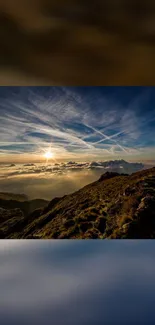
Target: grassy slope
(116, 206)
(105, 209)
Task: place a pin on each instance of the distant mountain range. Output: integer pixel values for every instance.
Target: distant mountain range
(121, 166)
(115, 206)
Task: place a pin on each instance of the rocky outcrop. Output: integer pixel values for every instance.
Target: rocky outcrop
(108, 175)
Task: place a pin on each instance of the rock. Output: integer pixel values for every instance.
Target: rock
(146, 202)
(108, 175)
(129, 191)
(92, 234)
(125, 227)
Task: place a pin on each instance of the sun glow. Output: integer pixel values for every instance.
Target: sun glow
(49, 154)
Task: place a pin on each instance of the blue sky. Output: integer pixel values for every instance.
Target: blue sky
(83, 123)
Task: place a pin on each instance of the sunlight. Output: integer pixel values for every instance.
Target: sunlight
(49, 154)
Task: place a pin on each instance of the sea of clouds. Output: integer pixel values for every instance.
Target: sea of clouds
(50, 180)
(44, 181)
(10, 170)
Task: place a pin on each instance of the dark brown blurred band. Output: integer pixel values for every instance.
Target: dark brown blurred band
(79, 42)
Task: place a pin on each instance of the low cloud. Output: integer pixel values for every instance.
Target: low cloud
(48, 185)
(63, 168)
(48, 181)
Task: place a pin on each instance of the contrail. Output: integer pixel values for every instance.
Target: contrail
(110, 137)
(106, 137)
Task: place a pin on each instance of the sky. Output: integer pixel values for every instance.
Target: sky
(77, 123)
(77, 282)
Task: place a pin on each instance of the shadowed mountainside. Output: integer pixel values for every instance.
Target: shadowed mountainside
(14, 210)
(20, 201)
(115, 206)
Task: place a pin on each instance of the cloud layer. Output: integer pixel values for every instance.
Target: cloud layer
(58, 179)
(42, 183)
(121, 166)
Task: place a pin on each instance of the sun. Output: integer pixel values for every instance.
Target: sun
(49, 154)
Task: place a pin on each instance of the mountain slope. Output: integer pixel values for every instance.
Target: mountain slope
(115, 206)
(16, 211)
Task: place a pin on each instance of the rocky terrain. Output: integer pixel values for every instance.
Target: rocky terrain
(115, 206)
